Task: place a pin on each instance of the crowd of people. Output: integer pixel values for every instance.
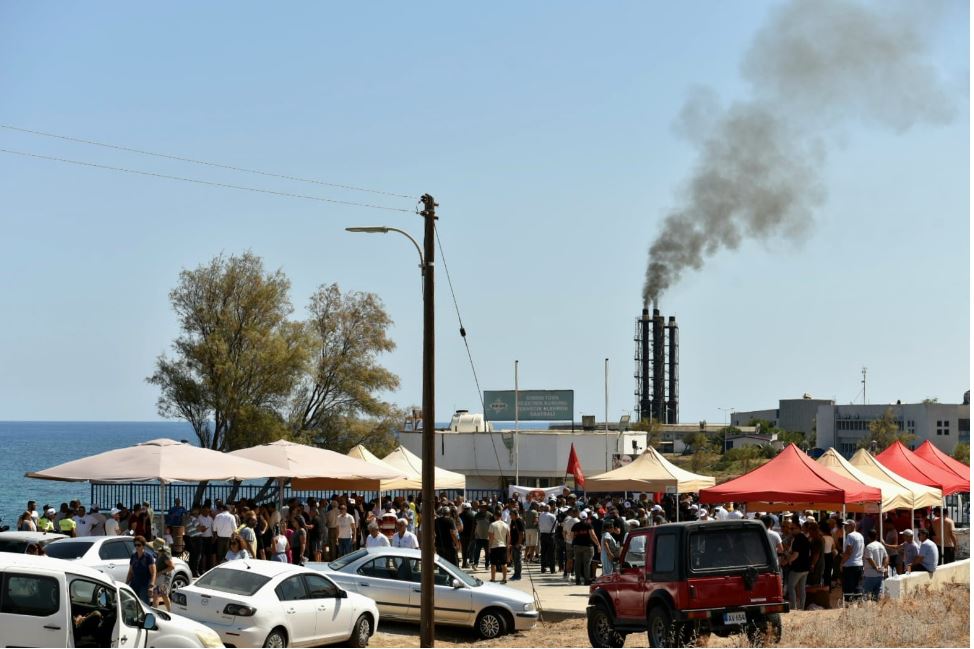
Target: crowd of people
(576, 536)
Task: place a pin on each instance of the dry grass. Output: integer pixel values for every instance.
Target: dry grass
(930, 619)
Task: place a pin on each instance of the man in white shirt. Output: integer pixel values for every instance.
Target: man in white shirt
(853, 548)
(204, 523)
(111, 524)
(403, 538)
(224, 525)
(346, 530)
(546, 533)
(84, 522)
(875, 564)
(97, 522)
(375, 539)
(499, 541)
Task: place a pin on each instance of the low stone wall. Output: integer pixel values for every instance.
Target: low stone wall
(963, 542)
(958, 572)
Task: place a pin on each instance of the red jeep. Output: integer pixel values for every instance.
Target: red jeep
(683, 581)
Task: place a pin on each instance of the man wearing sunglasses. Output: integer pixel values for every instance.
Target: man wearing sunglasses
(142, 570)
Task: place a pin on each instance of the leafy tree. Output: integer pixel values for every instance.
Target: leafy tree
(653, 430)
(884, 432)
(962, 453)
(237, 357)
(745, 457)
(335, 403)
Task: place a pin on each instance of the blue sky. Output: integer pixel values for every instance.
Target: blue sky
(544, 131)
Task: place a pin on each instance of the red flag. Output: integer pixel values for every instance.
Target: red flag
(575, 468)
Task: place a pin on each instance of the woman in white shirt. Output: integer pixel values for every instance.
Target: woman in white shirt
(279, 547)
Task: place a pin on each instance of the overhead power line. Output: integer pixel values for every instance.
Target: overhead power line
(217, 165)
(208, 183)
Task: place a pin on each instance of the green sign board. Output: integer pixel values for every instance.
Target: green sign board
(532, 405)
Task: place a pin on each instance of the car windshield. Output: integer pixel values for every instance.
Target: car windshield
(10, 545)
(228, 580)
(343, 561)
(727, 549)
(457, 573)
(67, 549)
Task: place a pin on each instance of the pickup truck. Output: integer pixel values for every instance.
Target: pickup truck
(681, 582)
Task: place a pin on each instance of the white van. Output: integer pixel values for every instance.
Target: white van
(47, 602)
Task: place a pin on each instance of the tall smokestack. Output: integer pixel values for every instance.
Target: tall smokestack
(659, 368)
(645, 402)
(673, 403)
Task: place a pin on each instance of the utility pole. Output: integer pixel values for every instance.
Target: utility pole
(864, 386)
(428, 558)
(517, 429)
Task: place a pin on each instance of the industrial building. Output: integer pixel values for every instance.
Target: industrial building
(844, 426)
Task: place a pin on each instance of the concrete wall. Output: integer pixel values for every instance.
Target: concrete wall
(958, 572)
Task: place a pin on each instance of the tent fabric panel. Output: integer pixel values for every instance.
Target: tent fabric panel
(791, 476)
(923, 495)
(894, 495)
(900, 460)
(935, 456)
(649, 472)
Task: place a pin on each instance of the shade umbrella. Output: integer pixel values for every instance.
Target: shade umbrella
(792, 480)
(407, 462)
(312, 468)
(650, 472)
(162, 460)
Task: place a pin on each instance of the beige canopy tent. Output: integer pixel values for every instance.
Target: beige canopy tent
(165, 460)
(359, 452)
(312, 468)
(412, 466)
(649, 472)
(922, 495)
(895, 496)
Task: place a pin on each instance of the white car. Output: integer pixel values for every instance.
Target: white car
(18, 542)
(110, 555)
(392, 577)
(254, 603)
(43, 600)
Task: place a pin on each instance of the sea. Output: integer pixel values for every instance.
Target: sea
(34, 445)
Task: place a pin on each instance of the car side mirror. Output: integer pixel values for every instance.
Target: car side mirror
(149, 623)
(456, 583)
(341, 594)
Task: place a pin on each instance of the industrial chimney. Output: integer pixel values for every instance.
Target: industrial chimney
(657, 367)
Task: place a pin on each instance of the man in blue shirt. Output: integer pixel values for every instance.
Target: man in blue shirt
(176, 513)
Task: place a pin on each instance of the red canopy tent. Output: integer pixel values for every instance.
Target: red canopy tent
(792, 480)
(898, 459)
(935, 456)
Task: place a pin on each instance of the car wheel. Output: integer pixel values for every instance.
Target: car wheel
(601, 633)
(762, 631)
(276, 638)
(179, 580)
(361, 632)
(659, 627)
(491, 624)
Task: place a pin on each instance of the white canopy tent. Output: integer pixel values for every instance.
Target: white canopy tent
(412, 466)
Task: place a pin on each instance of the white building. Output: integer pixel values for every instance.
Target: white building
(488, 458)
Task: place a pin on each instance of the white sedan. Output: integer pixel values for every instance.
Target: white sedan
(392, 577)
(110, 555)
(253, 603)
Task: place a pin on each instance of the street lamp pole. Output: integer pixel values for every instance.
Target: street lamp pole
(427, 552)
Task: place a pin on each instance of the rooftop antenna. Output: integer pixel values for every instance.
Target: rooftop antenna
(864, 386)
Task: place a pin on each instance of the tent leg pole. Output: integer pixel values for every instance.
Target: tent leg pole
(943, 513)
(677, 508)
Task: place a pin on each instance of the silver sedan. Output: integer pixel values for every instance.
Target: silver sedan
(391, 576)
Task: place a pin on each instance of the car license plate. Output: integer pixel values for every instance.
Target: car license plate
(736, 617)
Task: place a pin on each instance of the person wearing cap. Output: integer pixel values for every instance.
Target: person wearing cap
(46, 522)
(111, 523)
(467, 519)
(852, 551)
(906, 551)
(584, 546)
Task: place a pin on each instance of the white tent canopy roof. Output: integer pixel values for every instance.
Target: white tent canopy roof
(895, 496)
(163, 460)
(923, 496)
(649, 472)
(310, 467)
(412, 466)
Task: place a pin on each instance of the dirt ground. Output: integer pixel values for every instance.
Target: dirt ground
(934, 619)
